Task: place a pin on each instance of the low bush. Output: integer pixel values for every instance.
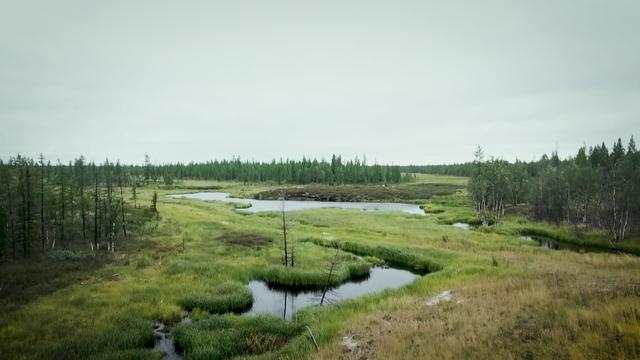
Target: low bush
(69, 255)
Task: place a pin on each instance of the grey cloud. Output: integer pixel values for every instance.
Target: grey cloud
(399, 81)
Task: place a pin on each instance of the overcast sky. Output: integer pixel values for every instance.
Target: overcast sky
(399, 81)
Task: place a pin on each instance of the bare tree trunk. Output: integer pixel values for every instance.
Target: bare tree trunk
(42, 201)
(124, 223)
(284, 235)
(95, 213)
(334, 261)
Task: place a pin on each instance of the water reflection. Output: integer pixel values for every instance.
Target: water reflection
(463, 226)
(557, 245)
(295, 205)
(285, 303)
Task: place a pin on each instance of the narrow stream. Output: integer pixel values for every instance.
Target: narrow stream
(164, 341)
(285, 303)
(548, 243)
(463, 226)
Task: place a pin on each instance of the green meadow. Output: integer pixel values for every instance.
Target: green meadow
(506, 297)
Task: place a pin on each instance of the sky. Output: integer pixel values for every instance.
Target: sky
(398, 81)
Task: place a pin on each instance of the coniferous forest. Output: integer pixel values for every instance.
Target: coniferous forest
(334, 172)
(45, 205)
(598, 188)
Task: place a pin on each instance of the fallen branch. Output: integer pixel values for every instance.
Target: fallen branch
(313, 338)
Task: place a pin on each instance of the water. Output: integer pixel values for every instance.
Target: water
(285, 303)
(556, 245)
(295, 205)
(164, 342)
(463, 226)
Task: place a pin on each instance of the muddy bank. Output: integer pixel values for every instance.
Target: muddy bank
(349, 193)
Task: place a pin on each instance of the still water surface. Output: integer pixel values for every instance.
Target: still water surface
(284, 303)
(295, 205)
(557, 245)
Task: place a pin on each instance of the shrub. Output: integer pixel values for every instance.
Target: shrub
(70, 255)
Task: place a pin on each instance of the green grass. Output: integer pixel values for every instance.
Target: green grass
(66, 302)
(280, 276)
(247, 239)
(128, 335)
(223, 298)
(441, 179)
(223, 337)
(564, 234)
(412, 259)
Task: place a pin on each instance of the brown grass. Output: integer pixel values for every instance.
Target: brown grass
(555, 312)
(247, 239)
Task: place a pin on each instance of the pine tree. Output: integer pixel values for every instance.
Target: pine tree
(42, 221)
(96, 199)
(154, 202)
(122, 212)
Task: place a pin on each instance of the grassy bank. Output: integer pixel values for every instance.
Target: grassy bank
(223, 337)
(411, 259)
(279, 276)
(220, 299)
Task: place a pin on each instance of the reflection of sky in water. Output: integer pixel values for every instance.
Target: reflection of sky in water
(272, 301)
(294, 205)
(463, 226)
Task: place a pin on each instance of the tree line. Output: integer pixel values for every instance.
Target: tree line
(333, 172)
(597, 188)
(456, 169)
(46, 206)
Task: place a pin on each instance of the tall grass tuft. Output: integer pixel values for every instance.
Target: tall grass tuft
(300, 278)
(130, 334)
(226, 336)
(224, 298)
(401, 257)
